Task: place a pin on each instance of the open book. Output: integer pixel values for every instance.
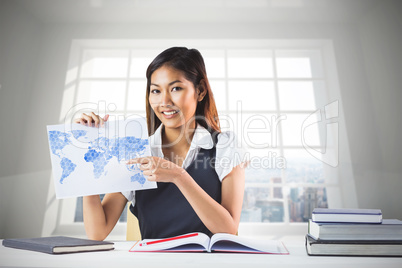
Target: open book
(199, 242)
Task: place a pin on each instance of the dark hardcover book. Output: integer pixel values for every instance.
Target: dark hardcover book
(353, 247)
(58, 244)
(389, 229)
(347, 215)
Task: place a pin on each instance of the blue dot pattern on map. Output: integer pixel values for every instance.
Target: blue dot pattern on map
(103, 149)
(67, 166)
(58, 140)
(138, 177)
(99, 153)
(78, 133)
(98, 160)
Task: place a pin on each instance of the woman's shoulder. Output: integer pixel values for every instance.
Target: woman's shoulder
(228, 139)
(229, 153)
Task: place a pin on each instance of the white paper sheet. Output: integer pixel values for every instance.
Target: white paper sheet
(91, 160)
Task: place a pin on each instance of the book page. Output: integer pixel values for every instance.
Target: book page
(91, 160)
(199, 242)
(233, 243)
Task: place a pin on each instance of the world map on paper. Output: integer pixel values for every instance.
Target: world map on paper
(90, 160)
(100, 152)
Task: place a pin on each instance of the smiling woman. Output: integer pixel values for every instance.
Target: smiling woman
(195, 192)
(172, 96)
(264, 90)
(181, 69)
(173, 100)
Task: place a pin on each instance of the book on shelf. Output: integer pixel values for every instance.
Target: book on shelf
(58, 244)
(388, 229)
(199, 242)
(353, 247)
(347, 215)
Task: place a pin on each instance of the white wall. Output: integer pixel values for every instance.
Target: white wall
(20, 39)
(380, 31)
(33, 77)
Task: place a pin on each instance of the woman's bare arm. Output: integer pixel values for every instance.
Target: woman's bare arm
(101, 217)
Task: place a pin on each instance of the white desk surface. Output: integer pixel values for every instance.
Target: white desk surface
(121, 257)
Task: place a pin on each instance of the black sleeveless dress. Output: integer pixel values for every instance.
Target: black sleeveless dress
(165, 212)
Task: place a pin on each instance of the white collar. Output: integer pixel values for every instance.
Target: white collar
(202, 138)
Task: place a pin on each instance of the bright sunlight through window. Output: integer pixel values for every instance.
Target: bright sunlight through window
(272, 96)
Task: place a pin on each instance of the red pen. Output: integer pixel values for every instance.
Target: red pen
(168, 239)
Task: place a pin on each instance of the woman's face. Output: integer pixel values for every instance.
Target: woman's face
(172, 97)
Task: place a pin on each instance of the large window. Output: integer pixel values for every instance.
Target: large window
(274, 95)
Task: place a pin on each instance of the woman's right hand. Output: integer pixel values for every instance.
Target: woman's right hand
(88, 119)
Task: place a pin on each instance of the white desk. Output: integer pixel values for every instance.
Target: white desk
(120, 257)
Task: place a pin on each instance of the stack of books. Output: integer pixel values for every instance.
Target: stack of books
(353, 232)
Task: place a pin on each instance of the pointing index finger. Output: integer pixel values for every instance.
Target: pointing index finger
(137, 160)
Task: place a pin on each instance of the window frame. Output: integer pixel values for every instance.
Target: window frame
(65, 224)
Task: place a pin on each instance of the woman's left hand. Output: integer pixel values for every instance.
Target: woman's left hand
(158, 169)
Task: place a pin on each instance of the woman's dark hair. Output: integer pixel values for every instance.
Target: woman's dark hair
(191, 64)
